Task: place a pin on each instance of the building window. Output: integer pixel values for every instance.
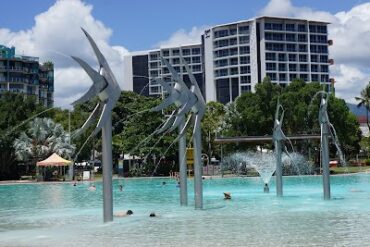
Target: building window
(302, 48)
(221, 72)
(233, 31)
(234, 61)
(154, 73)
(244, 50)
(290, 27)
(282, 77)
(153, 65)
(268, 26)
(243, 39)
(245, 70)
(314, 68)
(322, 29)
(195, 59)
(314, 58)
(270, 66)
(233, 41)
(315, 77)
(176, 52)
(187, 59)
(292, 67)
(324, 68)
(270, 56)
(303, 67)
(272, 76)
(324, 78)
(312, 28)
(221, 33)
(290, 37)
(302, 57)
(221, 63)
(176, 61)
(245, 79)
(282, 67)
(197, 68)
(153, 56)
(291, 47)
(302, 38)
(274, 47)
(245, 89)
(185, 52)
(244, 60)
(282, 57)
(292, 57)
(195, 51)
(221, 43)
(292, 77)
(234, 71)
(322, 49)
(301, 28)
(304, 77)
(277, 26)
(165, 53)
(165, 71)
(243, 29)
(323, 59)
(222, 53)
(274, 36)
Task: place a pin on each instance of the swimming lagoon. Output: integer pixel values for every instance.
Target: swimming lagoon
(60, 214)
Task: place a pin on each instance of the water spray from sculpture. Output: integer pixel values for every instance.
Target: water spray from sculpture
(108, 91)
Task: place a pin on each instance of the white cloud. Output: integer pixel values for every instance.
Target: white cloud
(182, 37)
(350, 31)
(56, 35)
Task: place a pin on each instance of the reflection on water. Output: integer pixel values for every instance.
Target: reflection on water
(64, 215)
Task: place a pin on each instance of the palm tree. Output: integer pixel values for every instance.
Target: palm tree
(364, 100)
(43, 138)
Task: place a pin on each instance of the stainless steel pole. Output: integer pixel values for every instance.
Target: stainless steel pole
(279, 169)
(107, 170)
(325, 160)
(198, 168)
(183, 168)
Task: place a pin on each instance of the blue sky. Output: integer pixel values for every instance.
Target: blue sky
(50, 30)
(141, 24)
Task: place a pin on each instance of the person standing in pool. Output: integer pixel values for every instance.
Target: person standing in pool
(266, 189)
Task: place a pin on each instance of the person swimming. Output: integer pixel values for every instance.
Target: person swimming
(123, 214)
(92, 187)
(120, 187)
(266, 189)
(227, 196)
(152, 214)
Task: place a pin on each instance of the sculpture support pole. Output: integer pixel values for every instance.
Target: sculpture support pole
(325, 159)
(198, 168)
(107, 170)
(183, 168)
(279, 169)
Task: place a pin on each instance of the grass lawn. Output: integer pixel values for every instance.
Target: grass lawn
(349, 169)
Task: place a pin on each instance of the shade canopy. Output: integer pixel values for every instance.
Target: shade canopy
(54, 160)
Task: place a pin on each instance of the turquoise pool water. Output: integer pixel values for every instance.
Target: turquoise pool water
(64, 215)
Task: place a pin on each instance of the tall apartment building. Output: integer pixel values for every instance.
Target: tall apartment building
(24, 74)
(141, 68)
(235, 57)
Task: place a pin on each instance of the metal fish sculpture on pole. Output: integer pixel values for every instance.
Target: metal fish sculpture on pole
(106, 88)
(188, 101)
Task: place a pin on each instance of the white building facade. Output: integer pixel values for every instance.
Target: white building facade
(232, 58)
